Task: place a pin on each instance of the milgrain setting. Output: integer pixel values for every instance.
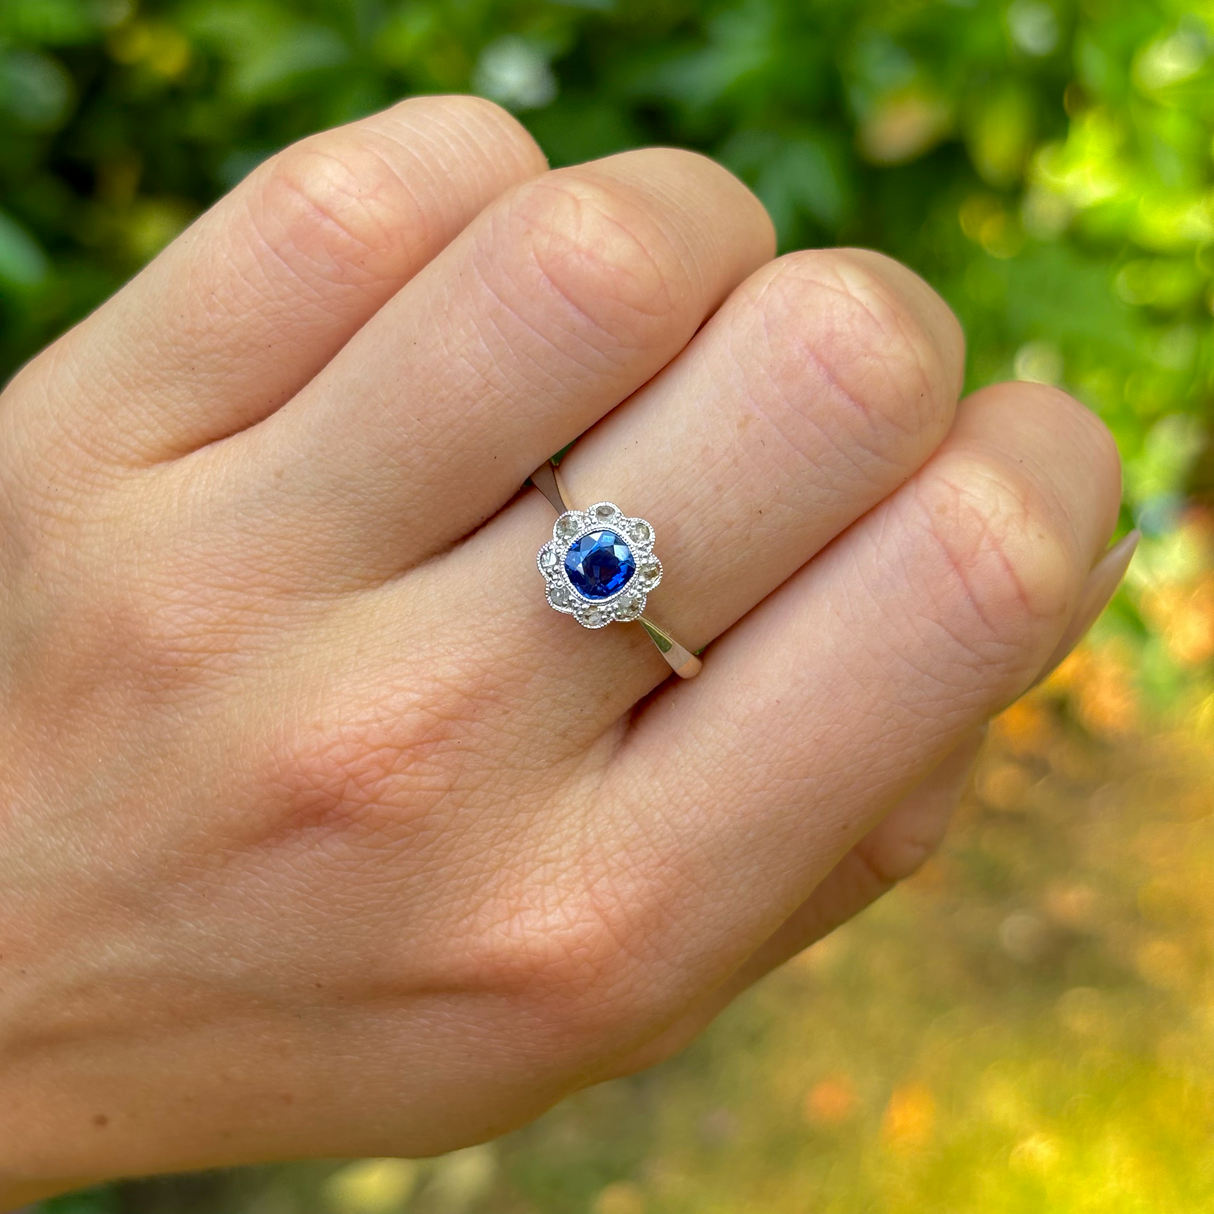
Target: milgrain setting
(599, 565)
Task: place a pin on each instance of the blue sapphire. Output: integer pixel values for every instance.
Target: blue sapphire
(599, 565)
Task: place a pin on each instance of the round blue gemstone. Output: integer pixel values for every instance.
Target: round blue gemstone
(599, 565)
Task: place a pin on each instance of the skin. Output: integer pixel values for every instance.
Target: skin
(320, 833)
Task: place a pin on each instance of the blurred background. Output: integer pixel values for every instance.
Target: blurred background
(1028, 1025)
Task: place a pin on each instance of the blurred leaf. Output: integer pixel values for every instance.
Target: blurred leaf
(89, 1201)
(276, 66)
(22, 260)
(792, 175)
(1034, 27)
(903, 125)
(999, 129)
(270, 50)
(462, 1178)
(372, 1186)
(35, 90)
(740, 44)
(577, 128)
(515, 72)
(56, 22)
(1159, 471)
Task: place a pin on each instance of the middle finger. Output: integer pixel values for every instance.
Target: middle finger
(553, 306)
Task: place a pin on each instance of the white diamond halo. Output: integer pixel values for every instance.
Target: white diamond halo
(628, 602)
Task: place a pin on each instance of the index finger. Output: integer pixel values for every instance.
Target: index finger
(247, 305)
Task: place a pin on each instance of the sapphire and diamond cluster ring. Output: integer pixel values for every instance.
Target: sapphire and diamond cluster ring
(599, 567)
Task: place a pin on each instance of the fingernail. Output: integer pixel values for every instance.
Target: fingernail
(1100, 587)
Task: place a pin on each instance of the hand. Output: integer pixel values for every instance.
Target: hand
(321, 833)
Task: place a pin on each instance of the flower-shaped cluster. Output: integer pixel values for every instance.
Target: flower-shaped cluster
(599, 565)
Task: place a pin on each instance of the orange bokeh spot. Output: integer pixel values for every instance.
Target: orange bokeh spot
(910, 1116)
(831, 1100)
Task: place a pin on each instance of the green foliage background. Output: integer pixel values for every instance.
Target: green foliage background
(1046, 164)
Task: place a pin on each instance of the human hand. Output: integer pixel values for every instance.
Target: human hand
(322, 833)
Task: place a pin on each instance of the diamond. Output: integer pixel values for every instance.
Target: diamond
(559, 596)
(651, 571)
(628, 606)
(599, 564)
(605, 511)
(548, 558)
(567, 526)
(640, 532)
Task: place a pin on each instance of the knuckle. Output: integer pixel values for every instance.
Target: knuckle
(48, 467)
(898, 859)
(900, 846)
(490, 126)
(937, 320)
(393, 764)
(1084, 434)
(574, 955)
(829, 311)
(342, 777)
(599, 253)
(157, 636)
(1000, 571)
(552, 946)
(122, 652)
(337, 204)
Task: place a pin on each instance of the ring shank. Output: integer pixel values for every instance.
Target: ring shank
(547, 479)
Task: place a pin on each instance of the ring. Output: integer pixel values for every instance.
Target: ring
(599, 567)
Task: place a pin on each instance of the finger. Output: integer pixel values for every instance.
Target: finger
(823, 383)
(252, 301)
(852, 681)
(891, 852)
(555, 305)
(1098, 590)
